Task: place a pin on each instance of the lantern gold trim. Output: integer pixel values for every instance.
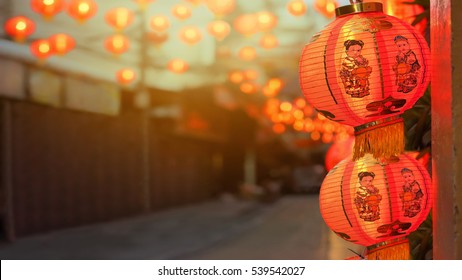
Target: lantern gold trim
(387, 134)
(396, 249)
(359, 8)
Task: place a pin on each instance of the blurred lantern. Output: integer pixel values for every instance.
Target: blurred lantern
(41, 49)
(190, 35)
(326, 7)
(159, 23)
(195, 2)
(296, 7)
(125, 76)
(117, 44)
(339, 151)
(221, 7)
(351, 75)
(119, 18)
(19, 28)
(248, 87)
(409, 12)
(247, 53)
(286, 106)
(236, 76)
(250, 74)
(181, 11)
(246, 24)
(377, 203)
(82, 10)
(219, 29)
(157, 38)
(279, 128)
(47, 8)
(266, 20)
(177, 66)
(269, 41)
(61, 43)
(143, 3)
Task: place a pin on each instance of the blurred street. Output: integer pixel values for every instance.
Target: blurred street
(289, 228)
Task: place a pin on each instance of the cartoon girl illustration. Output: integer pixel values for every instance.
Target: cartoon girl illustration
(412, 194)
(367, 198)
(355, 70)
(406, 67)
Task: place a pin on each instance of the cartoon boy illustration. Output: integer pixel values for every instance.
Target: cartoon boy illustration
(367, 198)
(355, 70)
(412, 194)
(406, 67)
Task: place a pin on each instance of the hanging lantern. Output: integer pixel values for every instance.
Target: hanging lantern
(296, 7)
(157, 38)
(143, 4)
(236, 76)
(248, 87)
(125, 76)
(181, 11)
(41, 49)
(47, 8)
(266, 20)
(82, 10)
(61, 43)
(269, 41)
(190, 35)
(371, 202)
(326, 7)
(19, 28)
(219, 29)
(119, 18)
(247, 53)
(364, 70)
(221, 7)
(246, 24)
(195, 2)
(159, 23)
(339, 151)
(177, 66)
(117, 44)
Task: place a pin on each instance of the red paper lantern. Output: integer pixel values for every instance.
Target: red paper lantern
(266, 20)
(368, 201)
(221, 7)
(119, 18)
(219, 29)
(364, 70)
(47, 8)
(125, 76)
(19, 28)
(177, 66)
(246, 24)
(247, 53)
(117, 44)
(159, 23)
(326, 7)
(82, 10)
(41, 49)
(339, 151)
(61, 43)
(269, 41)
(181, 11)
(296, 7)
(190, 35)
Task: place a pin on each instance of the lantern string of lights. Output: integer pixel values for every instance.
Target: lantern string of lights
(364, 70)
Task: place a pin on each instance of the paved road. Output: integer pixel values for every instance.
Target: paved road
(289, 228)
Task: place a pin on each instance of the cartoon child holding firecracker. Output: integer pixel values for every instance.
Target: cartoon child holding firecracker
(367, 198)
(355, 70)
(406, 67)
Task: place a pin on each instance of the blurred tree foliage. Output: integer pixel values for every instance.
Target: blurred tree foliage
(417, 123)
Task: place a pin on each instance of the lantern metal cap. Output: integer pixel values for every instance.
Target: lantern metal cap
(359, 8)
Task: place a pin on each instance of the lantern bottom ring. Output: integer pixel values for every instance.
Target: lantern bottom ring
(395, 249)
(376, 124)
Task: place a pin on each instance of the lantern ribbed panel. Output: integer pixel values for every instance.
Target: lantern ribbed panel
(392, 207)
(380, 82)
